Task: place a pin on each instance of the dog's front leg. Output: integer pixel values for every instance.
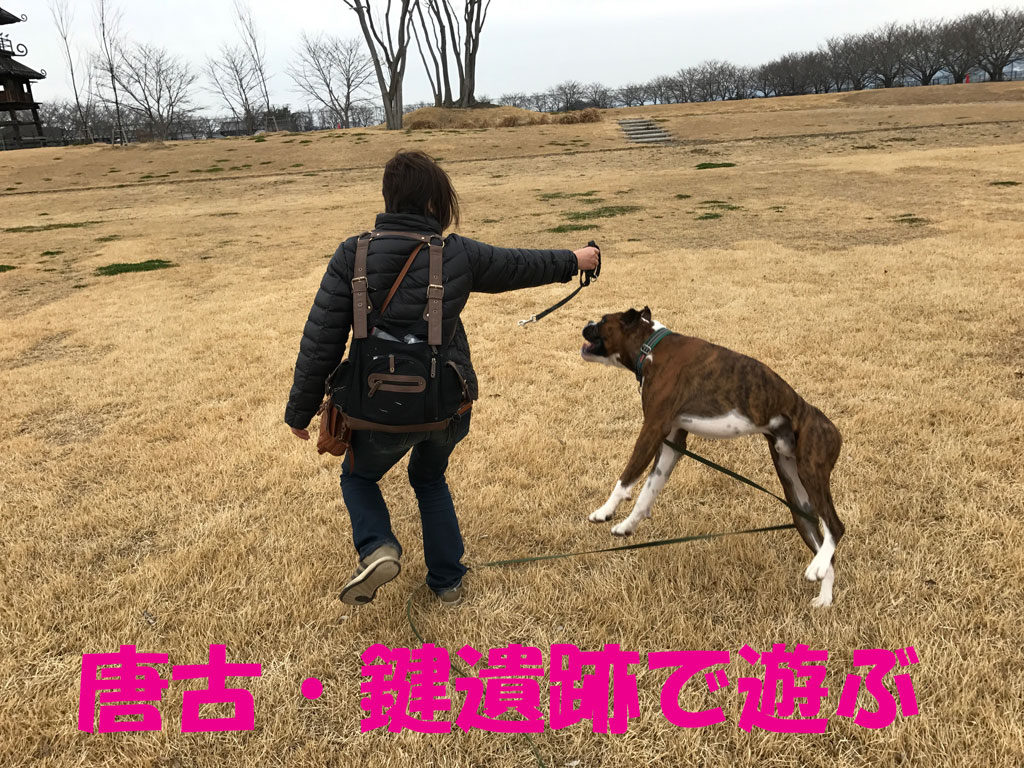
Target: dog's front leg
(606, 511)
(643, 452)
(667, 458)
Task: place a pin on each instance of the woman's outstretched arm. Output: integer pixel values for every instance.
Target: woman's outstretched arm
(508, 269)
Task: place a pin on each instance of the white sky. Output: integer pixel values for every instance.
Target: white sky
(527, 45)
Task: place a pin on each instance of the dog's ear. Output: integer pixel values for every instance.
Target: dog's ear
(646, 314)
(629, 317)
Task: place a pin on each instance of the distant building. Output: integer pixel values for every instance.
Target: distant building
(16, 93)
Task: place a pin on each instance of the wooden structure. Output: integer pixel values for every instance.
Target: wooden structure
(16, 92)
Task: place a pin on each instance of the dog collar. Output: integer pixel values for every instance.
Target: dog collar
(646, 348)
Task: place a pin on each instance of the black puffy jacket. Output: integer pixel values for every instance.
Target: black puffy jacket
(468, 266)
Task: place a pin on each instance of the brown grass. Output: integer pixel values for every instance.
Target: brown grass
(151, 494)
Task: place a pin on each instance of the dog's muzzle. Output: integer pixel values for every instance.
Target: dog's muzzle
(595, 347)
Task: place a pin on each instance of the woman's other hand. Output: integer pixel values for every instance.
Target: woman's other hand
(302, 434)
(586, 258)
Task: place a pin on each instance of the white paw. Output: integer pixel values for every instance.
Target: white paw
(817, 570)
(622, 530)
(600, 516)
(821, 601)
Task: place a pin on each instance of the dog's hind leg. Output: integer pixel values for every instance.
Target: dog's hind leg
(662, 470)
(643, 453)
(817, 449)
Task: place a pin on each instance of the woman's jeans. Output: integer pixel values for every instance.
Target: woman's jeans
(370, 456)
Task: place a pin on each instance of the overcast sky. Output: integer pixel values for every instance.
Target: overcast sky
(527, 45)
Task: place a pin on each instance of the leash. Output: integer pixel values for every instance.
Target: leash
(642, 545)
(585, 279)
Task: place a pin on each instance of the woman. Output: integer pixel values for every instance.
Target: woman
(418, 197)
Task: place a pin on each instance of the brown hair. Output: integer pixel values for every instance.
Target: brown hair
(414, 183)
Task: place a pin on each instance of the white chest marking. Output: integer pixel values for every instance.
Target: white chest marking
(731, 424)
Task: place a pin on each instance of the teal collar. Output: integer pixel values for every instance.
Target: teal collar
(646, 348)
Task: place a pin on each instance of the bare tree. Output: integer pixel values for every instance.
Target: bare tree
(887, 52)
(443, 37)
(62, 19)
(157, 87)
(520, 100)
(849, 62)
(1000, 37)
(332, 72)
(926, 50)
(659, 89)
(233, 79)
(680, 86)
(60, 121)
(439, 34)
(567, 95)
(598, 95)
(475, 15)
(632, 94)
(108, 35)
(387, 51)
(960, 46)
(542, 102)
(256, 52)
(744, 84)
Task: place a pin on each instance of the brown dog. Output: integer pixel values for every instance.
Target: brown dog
(690, 385)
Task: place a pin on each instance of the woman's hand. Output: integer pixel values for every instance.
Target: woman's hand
(302, 434)
(586, 258)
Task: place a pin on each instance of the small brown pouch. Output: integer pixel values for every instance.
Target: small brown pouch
(335, 435)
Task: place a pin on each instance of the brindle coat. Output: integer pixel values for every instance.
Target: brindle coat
(691, 385)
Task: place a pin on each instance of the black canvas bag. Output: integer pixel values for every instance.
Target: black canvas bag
(391, 381)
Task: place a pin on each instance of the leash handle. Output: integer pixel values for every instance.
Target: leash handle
(591, 274)
(586, 276)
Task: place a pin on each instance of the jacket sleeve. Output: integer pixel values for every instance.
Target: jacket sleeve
(508, 269)
(323, 342)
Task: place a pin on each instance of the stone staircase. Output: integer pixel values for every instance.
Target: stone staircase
(641, 130)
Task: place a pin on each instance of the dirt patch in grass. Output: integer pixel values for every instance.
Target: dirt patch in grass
(911, 220)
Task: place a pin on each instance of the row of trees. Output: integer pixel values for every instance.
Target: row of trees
(131, 90)
(139, 90)
(893, 55)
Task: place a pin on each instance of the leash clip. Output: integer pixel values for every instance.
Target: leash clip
(524, 323)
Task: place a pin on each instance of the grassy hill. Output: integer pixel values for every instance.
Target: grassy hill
(866, 246)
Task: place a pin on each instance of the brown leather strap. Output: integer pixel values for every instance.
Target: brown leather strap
(400, 278)
(435, 293)
(360, 299)
(394, 233)
(361, 424)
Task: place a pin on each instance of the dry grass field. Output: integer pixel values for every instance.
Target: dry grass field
(864, 247)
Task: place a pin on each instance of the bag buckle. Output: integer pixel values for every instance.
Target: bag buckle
(435, 291)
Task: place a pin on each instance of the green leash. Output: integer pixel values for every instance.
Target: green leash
(643, 545)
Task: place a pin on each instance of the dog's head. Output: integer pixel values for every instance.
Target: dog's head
(616, 339)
